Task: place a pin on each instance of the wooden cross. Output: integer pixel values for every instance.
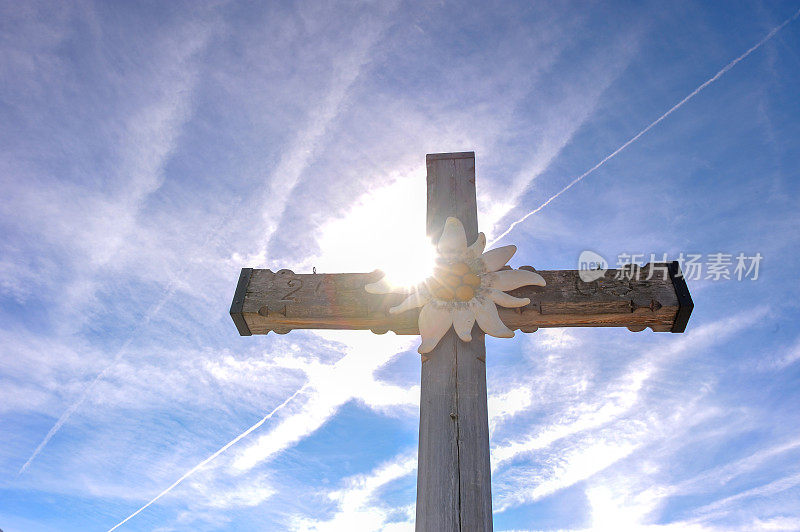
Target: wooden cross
(453, 479)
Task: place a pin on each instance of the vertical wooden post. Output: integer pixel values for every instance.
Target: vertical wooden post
(454, 476)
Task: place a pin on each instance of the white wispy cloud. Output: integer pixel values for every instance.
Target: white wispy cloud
(605, 428)
(309, 139)
(721, 507)
(229, 497)
(329, 387)
(650, 126)
(147, 155)
(564, 110)
(358, 508)
(507, 404)
(783, 360)
(99, 225)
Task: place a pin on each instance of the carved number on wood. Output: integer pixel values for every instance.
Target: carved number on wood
(295, 285)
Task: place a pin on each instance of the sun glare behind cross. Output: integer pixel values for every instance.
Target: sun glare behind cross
(467, 286)
(413, 267)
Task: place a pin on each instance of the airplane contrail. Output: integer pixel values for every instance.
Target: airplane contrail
(633, 139)
(210, 458)
(89, 387)
(287, 164)
(172, 288)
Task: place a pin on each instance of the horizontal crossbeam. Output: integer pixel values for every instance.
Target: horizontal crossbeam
(653, 296)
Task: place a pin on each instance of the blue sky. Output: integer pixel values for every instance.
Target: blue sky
(148, 151)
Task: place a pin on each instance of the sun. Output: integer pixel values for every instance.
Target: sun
(410, 266)
(465, 288)
(383, 230)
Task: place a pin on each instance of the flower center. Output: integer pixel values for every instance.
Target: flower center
(453, 282)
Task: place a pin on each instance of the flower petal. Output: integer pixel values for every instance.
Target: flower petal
(433, 322)
(510, 279)
(463, 320)
(505, 300)
(417, 299)
(383, 286)
(454, 239)
(489, 320)
(477, 247)
(494, 259)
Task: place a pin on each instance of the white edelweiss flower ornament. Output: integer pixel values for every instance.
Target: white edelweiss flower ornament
(466, 287)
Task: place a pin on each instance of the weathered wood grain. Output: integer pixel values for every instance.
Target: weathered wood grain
(283, 300)
(475, 482)
(438, 481)
(453, 475)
